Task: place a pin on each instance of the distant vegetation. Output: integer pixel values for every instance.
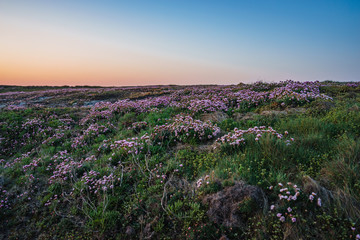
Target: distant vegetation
(251, 161)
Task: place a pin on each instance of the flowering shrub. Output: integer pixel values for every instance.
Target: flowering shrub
(32, 123)
(4, 199)
(298, 92)
(201, 181)
(184, 128)
(237, 136)
(287, 208)
(137, 126)
(10, 164)
(159, 173)
(247, 98)
(15, 107)
(353, 84)
(32, 165)
(94, 183)
(133, 145)
(65, 167)
(57, 136)
(92, 131)
(195, 104)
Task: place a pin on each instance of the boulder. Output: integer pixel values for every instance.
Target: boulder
(227, 206)
(273, 112)
(245, 116)
(214, 117)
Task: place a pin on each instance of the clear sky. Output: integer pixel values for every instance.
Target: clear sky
(117, 43)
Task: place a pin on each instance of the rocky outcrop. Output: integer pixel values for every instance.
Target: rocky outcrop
(227, 206)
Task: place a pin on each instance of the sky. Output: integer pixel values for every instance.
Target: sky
(151, 42)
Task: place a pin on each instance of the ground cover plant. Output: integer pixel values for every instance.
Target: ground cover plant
(248, 161)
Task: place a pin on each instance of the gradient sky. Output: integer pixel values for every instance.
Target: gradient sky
(122, 43)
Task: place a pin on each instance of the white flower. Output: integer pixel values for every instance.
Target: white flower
(319, 202)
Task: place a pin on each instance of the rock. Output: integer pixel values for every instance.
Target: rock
(252, 115)
(214, 117)
(225, 206)
(91, 103)
(296, 110)
(223, 237)
(321, 106)
(130, 231)
(245, 116)
(148, 233)
(273, 112)
(354, 108)
(206, 147)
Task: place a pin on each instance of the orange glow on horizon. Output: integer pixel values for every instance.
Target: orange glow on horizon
(158, 72)
(34, 54)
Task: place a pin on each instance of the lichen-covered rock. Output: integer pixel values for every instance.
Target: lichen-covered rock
(273, 113)
(233, 205)
(214, 117)
(245, 116)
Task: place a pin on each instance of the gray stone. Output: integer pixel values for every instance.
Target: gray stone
(224, 205)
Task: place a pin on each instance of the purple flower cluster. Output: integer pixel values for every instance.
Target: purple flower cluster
(32, 165)
(51, 200)
(237, 136)
(10, 164)
(288, 91)
(137, 126)
(93, 130)
(105, 110)
(15, 107)
(129, 146)
(4, 199)
(65, 167)
(200, 181)
(287, 194)
(312, 198)
(31, 123)
(185, 127)
(298, 92)
(56, 136)
(353, 84)
(158, 172)
(94, 183)
(207, 105)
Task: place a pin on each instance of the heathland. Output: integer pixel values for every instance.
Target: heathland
(247, 161)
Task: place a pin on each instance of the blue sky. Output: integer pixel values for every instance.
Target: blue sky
(178, 42)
